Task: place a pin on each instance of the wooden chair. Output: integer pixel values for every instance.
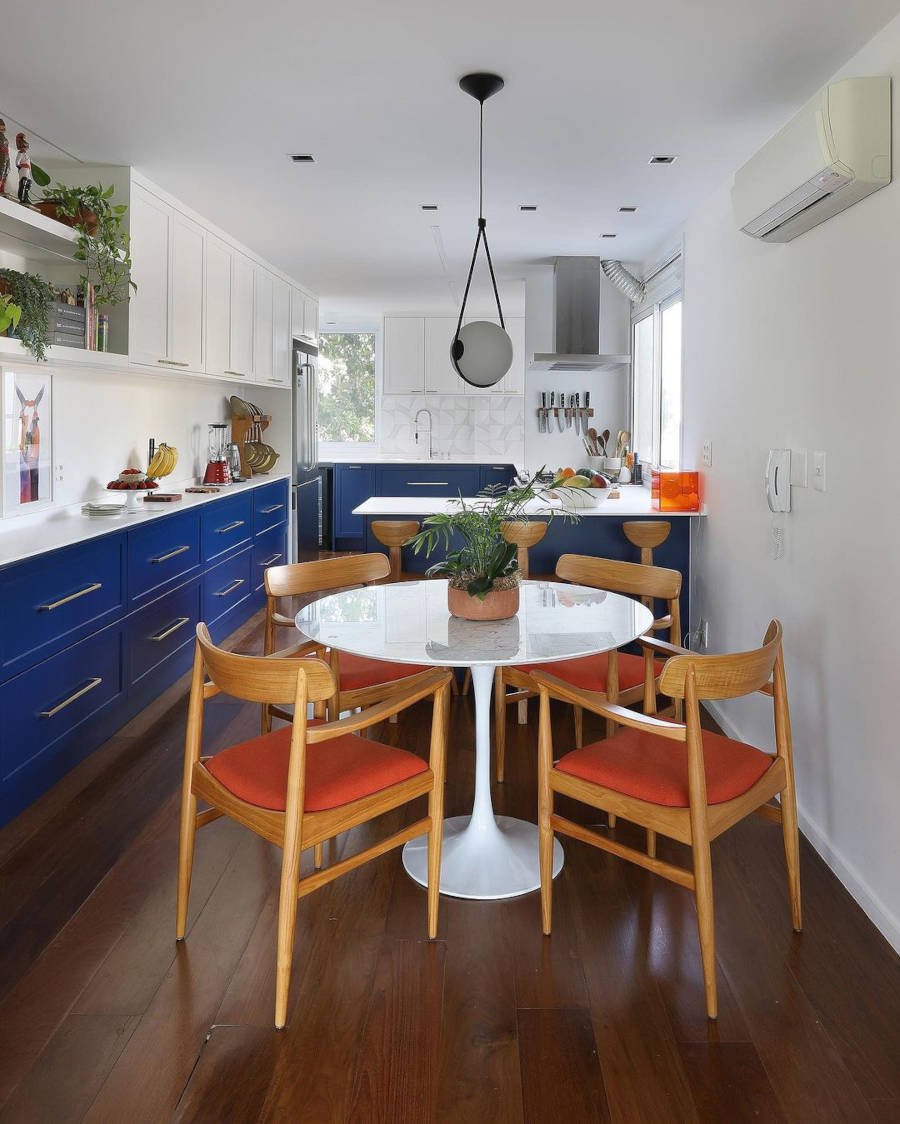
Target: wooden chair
(393, 533)
(620, 676)
(360, 681)
(681, 780)
(308, 782)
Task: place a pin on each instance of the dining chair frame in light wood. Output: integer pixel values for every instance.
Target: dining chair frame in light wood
(692, 678)
(264, 679)
(630, 578)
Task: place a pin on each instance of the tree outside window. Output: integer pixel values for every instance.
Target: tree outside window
(347, 387)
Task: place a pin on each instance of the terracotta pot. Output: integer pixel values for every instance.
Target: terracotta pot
(498, 604)
(52, 210)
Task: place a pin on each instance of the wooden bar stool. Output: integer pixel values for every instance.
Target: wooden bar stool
(525, 534)
(393, 533)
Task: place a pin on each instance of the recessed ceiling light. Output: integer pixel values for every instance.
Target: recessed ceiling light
(607, 235)
(528, 207)
(301, 158)
(627, 210)
(662, 159)
(429, 206)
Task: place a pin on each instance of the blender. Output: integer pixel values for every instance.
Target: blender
(218, 470)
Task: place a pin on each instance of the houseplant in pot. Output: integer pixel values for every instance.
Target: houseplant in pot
(32, 295)
(482, 573)
(103, 242)
(10, 314)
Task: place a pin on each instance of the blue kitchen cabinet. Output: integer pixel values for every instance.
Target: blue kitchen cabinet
(270, 506)
(353, 484)
(162, 554)
(269, 549)
(158, 633)
(225, 526)
(426, 480)
(492, 475)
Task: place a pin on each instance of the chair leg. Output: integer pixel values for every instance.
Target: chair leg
(703, 895)
(611, 819)
(578, 711)
(435, 840)
(467, 681)
(185, 859)
(287, 922)
(266, 723)
(500, 723)
(651, 842)
(318, 855)
(792, 851)
(454, 685)
(522, 712)
(545, 810)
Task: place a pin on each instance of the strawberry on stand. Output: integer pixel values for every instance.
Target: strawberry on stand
(132, 480)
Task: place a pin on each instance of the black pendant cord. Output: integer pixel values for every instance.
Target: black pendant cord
(482, 234)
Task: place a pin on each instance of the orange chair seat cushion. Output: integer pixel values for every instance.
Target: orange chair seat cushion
(338, 771)
(358, 672)
(589, 672)
(655, 769)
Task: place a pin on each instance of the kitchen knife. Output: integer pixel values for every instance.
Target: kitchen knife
(578, 413)
(585, 415)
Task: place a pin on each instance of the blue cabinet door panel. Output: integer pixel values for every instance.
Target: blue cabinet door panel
(492, 475)
(427, 480)
(162, 553)
(160, 630)
(50, 715)
(270, 506)
(269, 549)
(53, 600)
(225, 525)
(353, 484)
(227, 585)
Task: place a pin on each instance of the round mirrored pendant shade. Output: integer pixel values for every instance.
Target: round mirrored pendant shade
(482, 353)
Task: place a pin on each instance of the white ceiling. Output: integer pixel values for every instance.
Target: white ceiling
(208, 98)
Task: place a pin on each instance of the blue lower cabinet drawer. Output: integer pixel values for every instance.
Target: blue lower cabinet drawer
(53, 715)
(161, 629)
(161, 554)
(270, 506)
(225, 525)
(52, 601)
(227, 585)
(269, 549)
(448, 480)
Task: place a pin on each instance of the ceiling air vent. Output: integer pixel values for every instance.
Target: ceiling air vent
(301, 158)
(528, 207)
(662, 159)
(429, 206)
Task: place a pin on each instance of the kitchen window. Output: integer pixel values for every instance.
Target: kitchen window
(348, 391)
(656, 349)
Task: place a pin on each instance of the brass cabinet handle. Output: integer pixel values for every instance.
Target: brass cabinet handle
(166, 632)
(173, 362)
(230, 527)
(72, 597)
(237, 374)
(230, 589)
(272, 560)
(171, 554)
(89, 686)
(273, 507)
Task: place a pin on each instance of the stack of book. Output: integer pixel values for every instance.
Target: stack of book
(67, 324)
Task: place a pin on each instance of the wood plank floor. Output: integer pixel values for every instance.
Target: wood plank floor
(104, 1018)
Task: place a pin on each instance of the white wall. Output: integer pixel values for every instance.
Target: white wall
(798, 345)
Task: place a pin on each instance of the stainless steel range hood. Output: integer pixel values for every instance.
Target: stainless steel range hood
(576, 299)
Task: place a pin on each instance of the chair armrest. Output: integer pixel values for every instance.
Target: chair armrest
(664, 647)
(283, 621)
(597, 703)
(416, 688)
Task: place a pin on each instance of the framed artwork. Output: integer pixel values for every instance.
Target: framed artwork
(27, 439)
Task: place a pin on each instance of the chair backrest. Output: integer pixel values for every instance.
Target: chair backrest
(261, 679)
(325, 574)
(620, 577)
(726, 676)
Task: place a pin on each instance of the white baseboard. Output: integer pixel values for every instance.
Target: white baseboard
(861, 892)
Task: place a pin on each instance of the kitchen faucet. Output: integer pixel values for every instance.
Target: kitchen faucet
(430, 429)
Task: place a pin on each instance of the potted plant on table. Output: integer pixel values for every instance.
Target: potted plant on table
(483, 577)
(32, 296)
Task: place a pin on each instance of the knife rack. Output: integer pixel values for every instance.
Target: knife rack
(240, 429)
(556, 412)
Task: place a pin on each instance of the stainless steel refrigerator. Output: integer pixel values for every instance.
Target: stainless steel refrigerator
(306, 479)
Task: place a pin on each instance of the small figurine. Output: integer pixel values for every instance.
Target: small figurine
(4, 157)
(23, 164)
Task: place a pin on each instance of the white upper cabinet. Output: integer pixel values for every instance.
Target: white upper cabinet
(263, 325)
(241, 324)
(304, 316)
(218, 306)
(440, 374)
(514, 380)
(404, 355)
(281, 371)
(186, 294)
(148, 313)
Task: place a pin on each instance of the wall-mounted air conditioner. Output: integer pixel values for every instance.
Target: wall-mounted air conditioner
(836, 151)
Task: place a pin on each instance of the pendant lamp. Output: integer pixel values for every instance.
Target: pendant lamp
(481, 351)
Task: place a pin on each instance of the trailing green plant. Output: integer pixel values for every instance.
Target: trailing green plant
(486, 560)
(10, 313)
(103, 242)
(32, 295)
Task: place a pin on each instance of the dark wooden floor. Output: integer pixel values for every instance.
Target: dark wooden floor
(103, 1017)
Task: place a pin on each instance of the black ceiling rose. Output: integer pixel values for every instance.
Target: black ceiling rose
(481, 351)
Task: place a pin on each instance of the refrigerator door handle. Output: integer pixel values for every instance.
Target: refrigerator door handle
(314, 416)
(307, 454)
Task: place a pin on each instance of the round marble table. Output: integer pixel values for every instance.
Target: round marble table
(484, 856)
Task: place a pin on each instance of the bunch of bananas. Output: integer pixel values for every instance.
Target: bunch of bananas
(163, 462)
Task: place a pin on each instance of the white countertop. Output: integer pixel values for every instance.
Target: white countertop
(56, 528)
(635, 500)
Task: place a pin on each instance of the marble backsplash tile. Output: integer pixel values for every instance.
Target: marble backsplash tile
(489, 425)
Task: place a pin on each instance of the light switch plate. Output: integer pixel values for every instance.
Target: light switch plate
(707, 454)
(819, 471)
